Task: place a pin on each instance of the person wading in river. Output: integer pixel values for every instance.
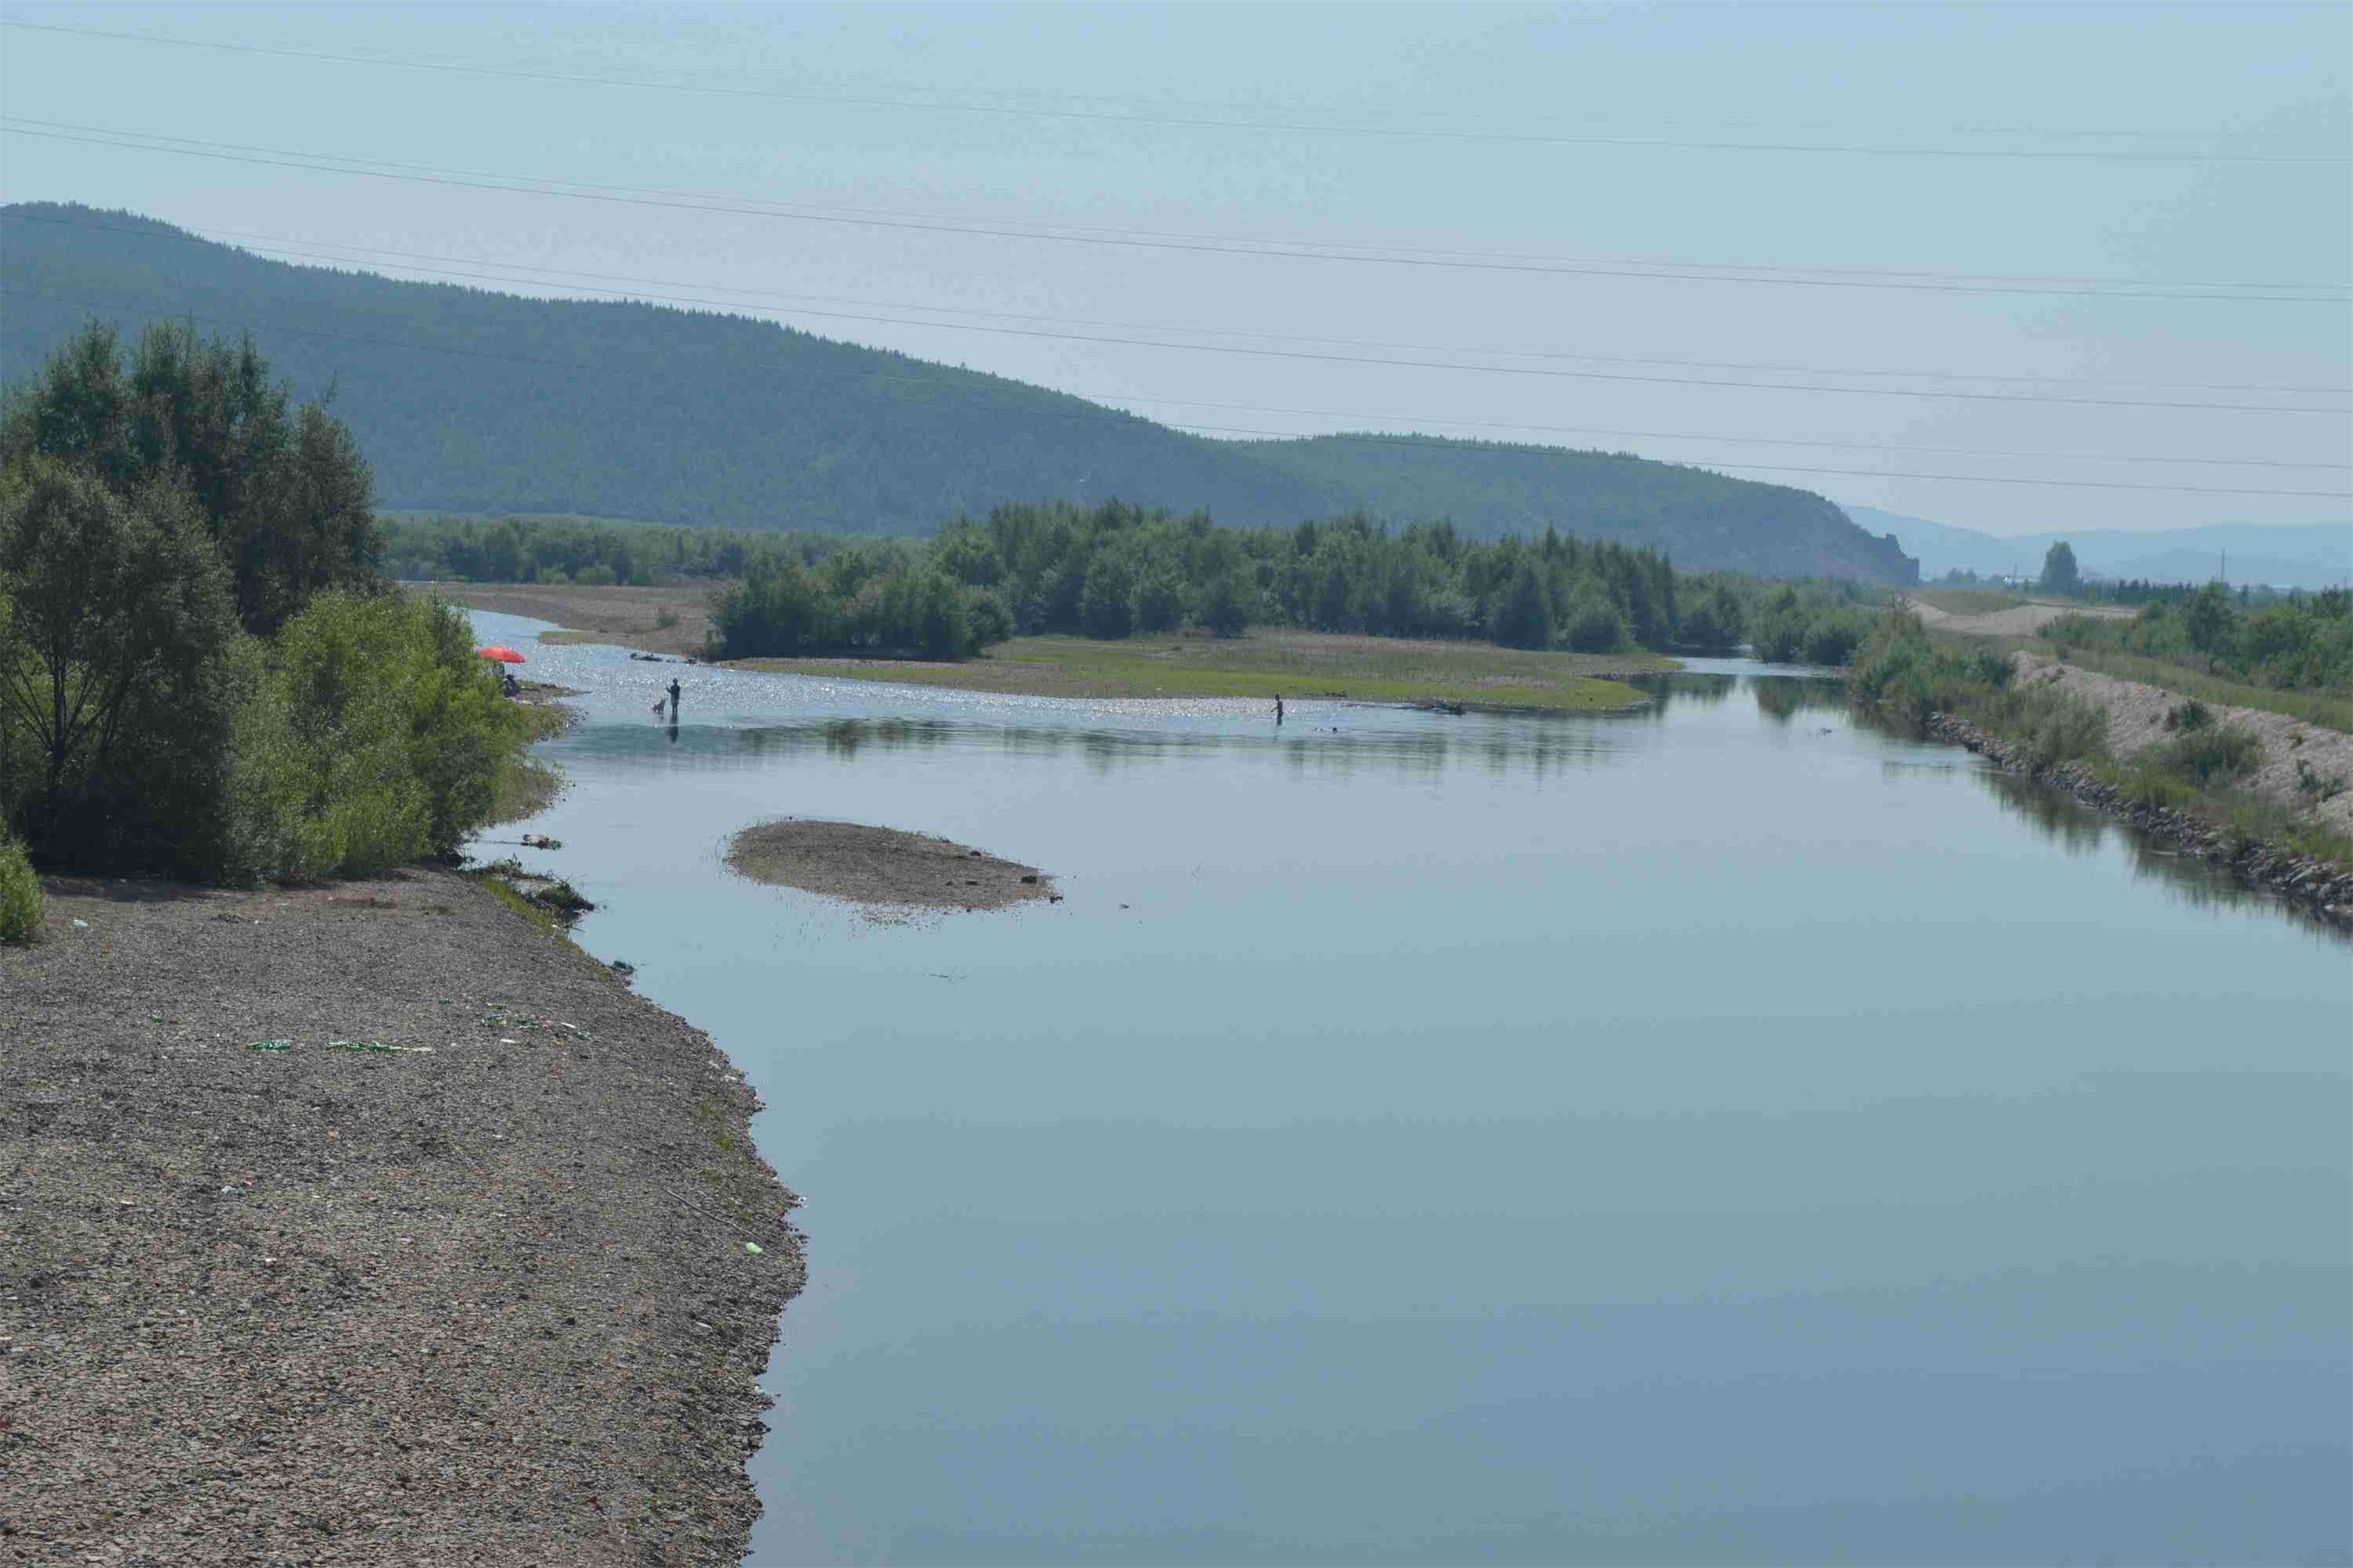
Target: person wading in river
(673, 699)
(1278, 707)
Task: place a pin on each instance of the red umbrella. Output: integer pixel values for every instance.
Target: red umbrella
(504, 655)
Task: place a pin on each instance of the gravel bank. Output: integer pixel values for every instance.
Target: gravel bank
(2137, 721)
(484, 1303)
(882, 866)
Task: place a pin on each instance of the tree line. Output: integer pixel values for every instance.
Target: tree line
(201, 671)
(2297, 642)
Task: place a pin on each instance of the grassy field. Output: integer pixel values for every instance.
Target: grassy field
(1294, 664)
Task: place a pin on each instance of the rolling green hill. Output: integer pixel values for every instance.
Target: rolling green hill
(471, 401)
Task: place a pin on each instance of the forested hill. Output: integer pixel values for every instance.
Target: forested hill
(466, 400)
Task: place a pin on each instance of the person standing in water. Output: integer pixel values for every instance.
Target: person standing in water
(673, 699)
(1278, 707)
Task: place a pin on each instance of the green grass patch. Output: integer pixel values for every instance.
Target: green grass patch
(1297, 664)
(2242, 818)
(541, 919)
(2312, 707)
(526, 787)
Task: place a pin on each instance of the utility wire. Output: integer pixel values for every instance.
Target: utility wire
(1190, 121)
(286, 246)
(1122, 396)
(1404, 418)
(1424, 442)
(876, 218)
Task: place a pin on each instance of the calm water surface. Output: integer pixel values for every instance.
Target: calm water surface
(1719, 1135)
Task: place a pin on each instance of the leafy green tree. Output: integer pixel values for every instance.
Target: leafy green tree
(1524, 618)
(2212, 620)
(1106, 605)
(1592, 623)
(2059, 572)
(1227, 604)
(115, 670)
(283, 491)
(1159, 600)
(1717, 619)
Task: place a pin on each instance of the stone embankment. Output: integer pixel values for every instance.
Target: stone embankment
(370, 1223)
(2311, 884)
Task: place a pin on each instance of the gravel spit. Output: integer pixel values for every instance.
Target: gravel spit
(460, 1269)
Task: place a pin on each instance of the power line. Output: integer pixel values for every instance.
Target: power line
(1114, 397)
(1166, 119)
(1109, 414)
(1344, 414)
(877, 218)
(281, 245)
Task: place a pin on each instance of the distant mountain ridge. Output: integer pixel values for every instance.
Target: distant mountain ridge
(466, 400)
(2286, 555)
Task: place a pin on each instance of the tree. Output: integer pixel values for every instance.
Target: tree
(283, 491)
(114, 669)
(2059, 573)
(1228, 601)
(1524, 617)
(1591, 623)
(2213, 620)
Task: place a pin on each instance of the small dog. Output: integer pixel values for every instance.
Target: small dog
(659, 702)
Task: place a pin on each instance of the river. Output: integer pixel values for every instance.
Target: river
(1725, 1133)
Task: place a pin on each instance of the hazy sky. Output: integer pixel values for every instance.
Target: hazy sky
(1555, 150)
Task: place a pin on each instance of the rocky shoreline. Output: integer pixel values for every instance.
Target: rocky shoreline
(370, 1222)
(2311, 884)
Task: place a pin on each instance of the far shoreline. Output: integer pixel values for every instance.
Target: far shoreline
(1261, 665)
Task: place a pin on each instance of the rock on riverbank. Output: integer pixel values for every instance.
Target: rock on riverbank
(484, 1299)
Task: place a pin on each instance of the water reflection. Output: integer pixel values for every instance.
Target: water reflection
(1419, 750)
(1506, 1139)
(2082, 830)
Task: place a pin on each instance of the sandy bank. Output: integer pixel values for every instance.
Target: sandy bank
(2136, 713)
(484, 1300)
(631, 617)
(882, 866)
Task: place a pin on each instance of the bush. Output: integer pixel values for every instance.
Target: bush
(2317, 787)
(2191, 715)
(20, 895)
(2210, 755)
(377, 740)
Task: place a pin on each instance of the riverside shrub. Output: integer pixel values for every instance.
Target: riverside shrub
(377, 738)
(20, 895)
(2210, 754)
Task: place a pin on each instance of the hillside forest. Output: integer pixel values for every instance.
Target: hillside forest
(466, 400)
